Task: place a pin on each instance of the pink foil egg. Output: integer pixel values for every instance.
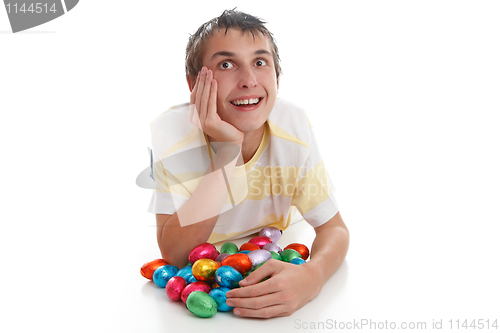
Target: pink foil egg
(199, 285)
(271, 232)
(203, 251)
(272, 247)
(174, 287)
(260, 241)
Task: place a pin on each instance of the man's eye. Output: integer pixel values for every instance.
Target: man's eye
(260, 63)
(226, 65)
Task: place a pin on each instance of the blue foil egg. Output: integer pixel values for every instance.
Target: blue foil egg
(297, 261)
(228, 277)
(219, 295)
(164, 273)
(244, 251)
(185, 272)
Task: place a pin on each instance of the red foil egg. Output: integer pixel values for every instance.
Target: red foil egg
(249, 247)
(239, 261)
(260, 241)
(199, 285)
(174, 287)
(203, 251)
(148, 269)
(300, 248)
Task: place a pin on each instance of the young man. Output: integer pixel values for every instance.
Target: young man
(232, 68)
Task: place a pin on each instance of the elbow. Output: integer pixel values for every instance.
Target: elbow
(174, 257)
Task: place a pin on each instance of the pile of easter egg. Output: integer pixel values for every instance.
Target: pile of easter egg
(202, 284)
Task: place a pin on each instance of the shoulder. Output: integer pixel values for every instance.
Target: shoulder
(291, 112)
(289, 121)
(177, 112)
(172, 130)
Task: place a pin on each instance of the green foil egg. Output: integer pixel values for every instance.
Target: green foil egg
(229, 248)
(201, 304)
(289, 254)
(275, 255)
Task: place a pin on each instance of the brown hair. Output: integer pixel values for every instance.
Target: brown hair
(228, 19)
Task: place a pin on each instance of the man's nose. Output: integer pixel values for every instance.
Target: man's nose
(248, 79)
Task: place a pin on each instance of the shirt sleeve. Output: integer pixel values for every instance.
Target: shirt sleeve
(164, 200)
(314, 192)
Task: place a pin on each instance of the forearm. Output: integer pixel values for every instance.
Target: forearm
(193, 223)
(329, 248)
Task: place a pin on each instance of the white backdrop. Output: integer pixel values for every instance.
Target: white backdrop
(404, 100)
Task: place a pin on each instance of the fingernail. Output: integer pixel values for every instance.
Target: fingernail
(229, 303)
(237, 312)
(203, 69)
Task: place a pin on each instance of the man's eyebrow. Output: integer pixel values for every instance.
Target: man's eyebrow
(224, 54)
(232, 54)
(263, 52)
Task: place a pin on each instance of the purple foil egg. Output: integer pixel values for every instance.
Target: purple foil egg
(272, 247)
(222, 256)
(259, 256)
(271, 232)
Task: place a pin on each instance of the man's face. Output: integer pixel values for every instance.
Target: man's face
(244, 69)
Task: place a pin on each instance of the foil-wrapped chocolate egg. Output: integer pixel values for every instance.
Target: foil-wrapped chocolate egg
(149, 268)
(228, 277)
(204, 269)
(164, 273)
(259, 256)
(203, 251)
(272, 247)
(219, 295)
(244, 251)
(186, 273)
(297, 261)
(174, 287)
(249, 247)
(275, 255)
(222, 256)
(260, 241)
(271, 232)
(240, 261)
(300, 248)
(201, 304)
(229, 247)
(289, 254)
(195, 286)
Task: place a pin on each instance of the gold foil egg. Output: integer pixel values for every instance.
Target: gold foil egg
(204, 269)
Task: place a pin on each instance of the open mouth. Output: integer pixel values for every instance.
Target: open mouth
(247, 102)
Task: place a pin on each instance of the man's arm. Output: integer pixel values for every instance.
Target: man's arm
(292, 286)
(176, 239)
(179, 233)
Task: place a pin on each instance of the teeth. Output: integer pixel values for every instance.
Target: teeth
(246, 101)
